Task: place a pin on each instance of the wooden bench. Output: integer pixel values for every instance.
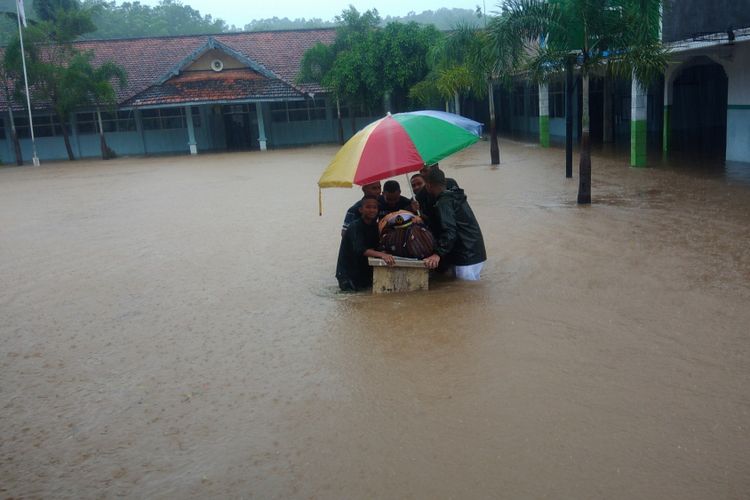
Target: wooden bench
(407, 275)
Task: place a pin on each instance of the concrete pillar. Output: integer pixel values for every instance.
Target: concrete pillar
(139, 129)
(544, 115)
(638, 115)
(666, 123)
(261, 126)
(738, 104)
(191, 130)
(607, 126)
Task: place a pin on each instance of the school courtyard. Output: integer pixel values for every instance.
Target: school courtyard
(171, 328)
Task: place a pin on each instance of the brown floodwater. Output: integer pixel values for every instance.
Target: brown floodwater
(171, 328)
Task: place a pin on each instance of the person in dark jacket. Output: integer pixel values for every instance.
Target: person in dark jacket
(459, 240)
(426, 202)
(359, 242)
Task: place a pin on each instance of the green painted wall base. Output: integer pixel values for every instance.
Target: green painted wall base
(638, 143)
(665, 129)
(544, 131)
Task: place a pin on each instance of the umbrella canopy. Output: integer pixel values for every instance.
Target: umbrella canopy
(398, 144)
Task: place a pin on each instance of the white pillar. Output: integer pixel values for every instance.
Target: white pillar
(638, 115)
(191, 130)
(261, 126)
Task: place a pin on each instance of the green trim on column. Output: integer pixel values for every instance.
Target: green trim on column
(738, 106)
(544, 131)
(638, 143)
(665, 128)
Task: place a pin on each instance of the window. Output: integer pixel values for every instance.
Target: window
(518, 101)
(120, 121)
(297, 111)
(44, 126)
(168, 118)
(534, 100)
(557, 100)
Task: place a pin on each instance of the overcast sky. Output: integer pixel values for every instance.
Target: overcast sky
(241, 12)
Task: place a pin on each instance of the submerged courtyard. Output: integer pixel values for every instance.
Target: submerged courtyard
(171, 327)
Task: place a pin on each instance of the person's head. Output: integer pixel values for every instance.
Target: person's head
(417, 183)
(372, 189)
(426, 169)
(435, 181)
(391, 193)
(369, 208)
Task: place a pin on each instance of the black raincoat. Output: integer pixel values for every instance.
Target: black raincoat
(459, 238)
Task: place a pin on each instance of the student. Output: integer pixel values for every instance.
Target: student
(425, 201)
(372, 189)
(417, 183)
(459, 238)
(391, 199)
(359, 242)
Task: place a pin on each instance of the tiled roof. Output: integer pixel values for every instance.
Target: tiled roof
(203, 86)
(147, 60)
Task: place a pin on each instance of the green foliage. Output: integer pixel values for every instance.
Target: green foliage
(133, 19)
(366, 62)
(59, 75)
(619, 36)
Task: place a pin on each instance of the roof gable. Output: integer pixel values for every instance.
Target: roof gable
(212, 44)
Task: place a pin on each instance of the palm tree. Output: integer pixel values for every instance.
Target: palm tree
(619, 36)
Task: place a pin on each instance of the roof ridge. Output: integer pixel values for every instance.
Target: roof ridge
(198, 35)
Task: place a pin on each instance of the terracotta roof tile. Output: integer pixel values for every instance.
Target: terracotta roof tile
(147, 60)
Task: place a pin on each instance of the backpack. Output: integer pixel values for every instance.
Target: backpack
(419, 241)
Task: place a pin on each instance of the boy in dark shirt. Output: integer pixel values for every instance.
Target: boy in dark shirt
(391, 199)
(359, 242)
(372, 189)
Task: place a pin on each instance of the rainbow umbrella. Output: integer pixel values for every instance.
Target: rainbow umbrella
(399, 144)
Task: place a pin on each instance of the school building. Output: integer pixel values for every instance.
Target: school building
(189, 94)
(700, 108)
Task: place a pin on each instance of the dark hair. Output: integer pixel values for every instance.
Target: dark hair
(435, 176)
(416, 175)
(391, 187)
(369, 197)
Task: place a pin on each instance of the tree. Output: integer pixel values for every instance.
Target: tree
(59, 75)
(367, 65)
(619, 36)
(95, 85)
(6, 79)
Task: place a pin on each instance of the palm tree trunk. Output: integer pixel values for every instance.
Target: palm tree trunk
(340, 124)
(14, 138)
(66, 137)
(457, 101)
(494, 147)
(584, 166)
(569, 119)
(106, 152)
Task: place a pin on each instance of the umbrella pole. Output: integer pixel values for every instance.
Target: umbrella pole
(411, 189)
(320, 202)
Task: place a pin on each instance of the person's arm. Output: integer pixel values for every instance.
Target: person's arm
(360, 248)
(387, 258)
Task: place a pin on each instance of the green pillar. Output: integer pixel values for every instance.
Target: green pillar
(543, 115)
(638, 114)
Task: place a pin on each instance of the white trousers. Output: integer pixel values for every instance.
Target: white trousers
(468, 273)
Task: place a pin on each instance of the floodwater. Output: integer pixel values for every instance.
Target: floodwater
(171, 328)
